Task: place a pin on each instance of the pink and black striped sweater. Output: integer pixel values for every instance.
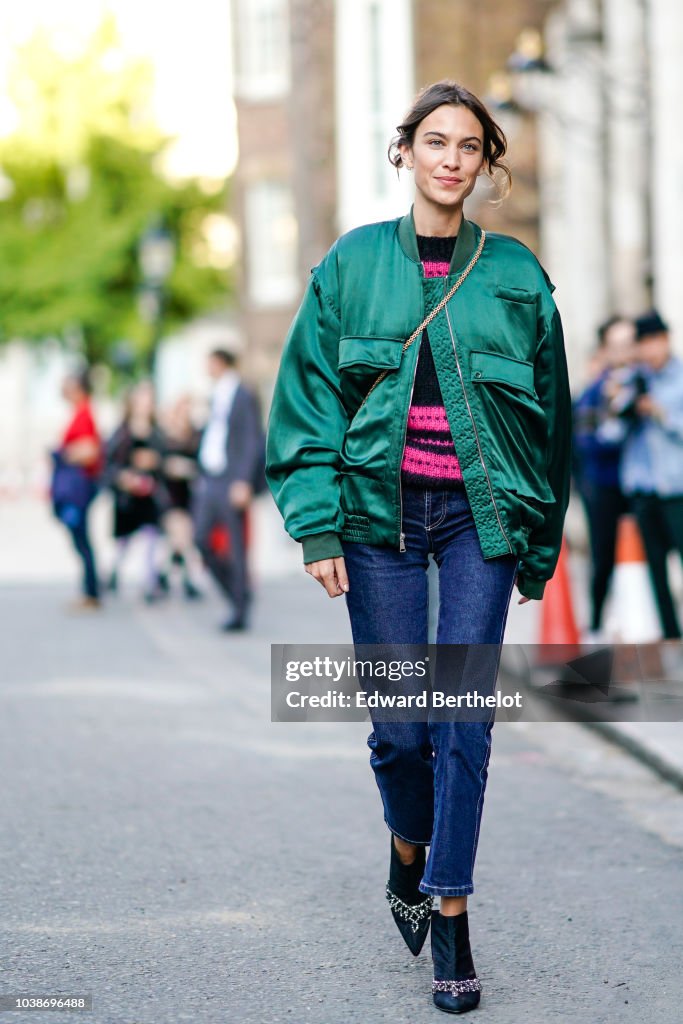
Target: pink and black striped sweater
(429, 459)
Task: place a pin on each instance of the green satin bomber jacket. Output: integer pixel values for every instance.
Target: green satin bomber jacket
(333, 463)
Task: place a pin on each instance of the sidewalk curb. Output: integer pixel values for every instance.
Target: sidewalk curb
(670, 773)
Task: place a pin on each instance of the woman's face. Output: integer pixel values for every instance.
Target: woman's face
(142, 400)
(447, 155)
(178, 418)
(619, 343)
(70, 390)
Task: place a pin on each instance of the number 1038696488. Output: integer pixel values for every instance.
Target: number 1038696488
(28, 1001)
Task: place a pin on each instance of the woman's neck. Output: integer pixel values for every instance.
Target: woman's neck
(436, 221)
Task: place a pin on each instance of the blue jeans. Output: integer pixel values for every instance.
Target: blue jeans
(83, 546)
(75, 518)
(432, 775)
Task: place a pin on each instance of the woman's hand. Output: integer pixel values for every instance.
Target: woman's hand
(180, 467)
(83, 452)
(127, 480)
(137, 484)
(331, 573)
(145, 459)
(646, 406)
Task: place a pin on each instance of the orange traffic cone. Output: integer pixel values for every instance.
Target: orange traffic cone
(559, 633)
(633, 614)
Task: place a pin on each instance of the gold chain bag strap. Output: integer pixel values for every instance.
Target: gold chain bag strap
(435, 312)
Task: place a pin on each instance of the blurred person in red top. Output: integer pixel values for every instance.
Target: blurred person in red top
(78, 464)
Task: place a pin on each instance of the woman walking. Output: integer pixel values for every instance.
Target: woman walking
(422, 407)
(180, 470)
(78, 463)
(134, 455)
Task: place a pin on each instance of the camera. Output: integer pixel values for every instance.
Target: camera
(624, 402)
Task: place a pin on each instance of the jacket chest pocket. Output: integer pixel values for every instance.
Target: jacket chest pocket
(361, 361)
(503, 370)
(362, 356)
(514, 420)
(517, 309)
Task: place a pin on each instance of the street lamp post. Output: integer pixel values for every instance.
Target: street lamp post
(156, 254)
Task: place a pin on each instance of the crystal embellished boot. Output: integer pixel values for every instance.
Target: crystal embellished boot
(411, 909)
(456, 988)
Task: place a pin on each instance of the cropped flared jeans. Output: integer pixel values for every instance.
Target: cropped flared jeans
(432, 774)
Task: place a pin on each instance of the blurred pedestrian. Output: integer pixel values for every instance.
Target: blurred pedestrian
(422, 407)
(78, 463)
(597, 452)
(134, 455)
(231, 461)
(179, 471)
(650, 406)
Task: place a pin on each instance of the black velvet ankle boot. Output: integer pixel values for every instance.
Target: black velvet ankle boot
(456, 988)
(411, 908)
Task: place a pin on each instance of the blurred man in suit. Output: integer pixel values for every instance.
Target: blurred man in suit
(231, 459)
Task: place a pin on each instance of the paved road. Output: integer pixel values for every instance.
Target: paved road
(168, 849)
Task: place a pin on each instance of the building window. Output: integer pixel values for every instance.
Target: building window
(370, 99)
(271, 244)
(380, 117)
(261, 49)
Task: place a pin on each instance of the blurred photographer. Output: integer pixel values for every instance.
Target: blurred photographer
(598, 442)
(650, 405)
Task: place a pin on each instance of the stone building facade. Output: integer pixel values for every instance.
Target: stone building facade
(610, 162)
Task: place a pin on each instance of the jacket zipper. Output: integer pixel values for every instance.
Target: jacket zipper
(476, 433)
(402, 536)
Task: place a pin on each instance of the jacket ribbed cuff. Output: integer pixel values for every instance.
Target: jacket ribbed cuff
(530, 586)
(317, 546)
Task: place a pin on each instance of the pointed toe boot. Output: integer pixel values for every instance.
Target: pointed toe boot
(411, 909)
(455, 988)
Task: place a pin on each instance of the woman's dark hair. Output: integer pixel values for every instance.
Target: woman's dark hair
(224, 356)
(449, 92)
(82, 379)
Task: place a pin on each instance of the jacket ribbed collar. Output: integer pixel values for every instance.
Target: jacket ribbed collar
(465, 245)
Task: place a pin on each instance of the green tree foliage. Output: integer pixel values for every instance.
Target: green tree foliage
(80, 183)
